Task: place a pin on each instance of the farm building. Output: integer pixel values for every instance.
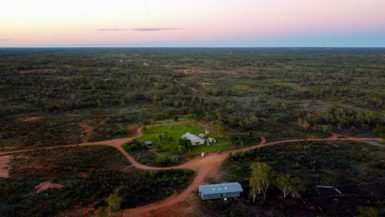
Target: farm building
(219, 191)
(195, 140)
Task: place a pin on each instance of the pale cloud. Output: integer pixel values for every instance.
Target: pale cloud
(155, 29)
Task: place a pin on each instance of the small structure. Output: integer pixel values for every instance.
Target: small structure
(210, 141)
(323, 190)
(195, 140)
(148, 143)
(219, 191)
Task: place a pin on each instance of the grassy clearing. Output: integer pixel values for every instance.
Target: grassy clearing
(172, 132)
(166, 145)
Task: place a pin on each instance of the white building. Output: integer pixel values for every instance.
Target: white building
(194, 139)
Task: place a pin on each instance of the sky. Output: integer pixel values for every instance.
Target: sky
(187, 23)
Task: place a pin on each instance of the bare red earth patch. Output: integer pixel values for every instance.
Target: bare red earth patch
(86, 130)
(47, 185)
(4, 166)
(30, 118)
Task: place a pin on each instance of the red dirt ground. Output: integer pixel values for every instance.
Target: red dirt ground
(87, 131)
(30, 118)
(4, 167)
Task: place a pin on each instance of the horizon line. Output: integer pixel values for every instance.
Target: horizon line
(101, 46)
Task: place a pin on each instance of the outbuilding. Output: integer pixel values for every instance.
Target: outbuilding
(220, 191)
(148, 143)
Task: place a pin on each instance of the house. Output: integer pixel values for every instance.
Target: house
(220, 191)
(195, 140)
(148, 143)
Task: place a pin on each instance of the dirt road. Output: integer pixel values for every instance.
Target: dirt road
(206, 167)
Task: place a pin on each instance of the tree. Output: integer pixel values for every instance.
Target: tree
(114, 202)
(218, 126)
(283, 183)
(160, 136)
(185, 143)
(259, 179)
(367, 212)
(180, 149)
(289, 185)
(304, 124)
(297, 186)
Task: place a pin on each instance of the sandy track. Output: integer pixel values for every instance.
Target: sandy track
(205, 167)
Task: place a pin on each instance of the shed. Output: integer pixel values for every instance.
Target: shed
(219, 191)
(194, 139)
(148, 143)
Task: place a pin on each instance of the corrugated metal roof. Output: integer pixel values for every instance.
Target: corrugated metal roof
(221, 188)
(192, 137)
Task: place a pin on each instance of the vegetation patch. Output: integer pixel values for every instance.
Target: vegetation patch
(88, 175)
(321, 178)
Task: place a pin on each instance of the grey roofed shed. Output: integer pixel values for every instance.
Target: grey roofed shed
(217, 191)
(148, 143)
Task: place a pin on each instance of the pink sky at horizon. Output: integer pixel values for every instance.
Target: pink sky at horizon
(179, 23)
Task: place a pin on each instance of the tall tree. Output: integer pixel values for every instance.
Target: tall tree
(289, 185)
(259, 179)
(218, 126)
(283, 182)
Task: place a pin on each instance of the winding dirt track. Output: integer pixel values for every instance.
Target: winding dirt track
(206, 167)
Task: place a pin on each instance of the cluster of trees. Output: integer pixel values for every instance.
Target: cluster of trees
(342, 117)
(245, 89)
(262, 177)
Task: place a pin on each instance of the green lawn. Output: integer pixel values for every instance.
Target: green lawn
(172, 132)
